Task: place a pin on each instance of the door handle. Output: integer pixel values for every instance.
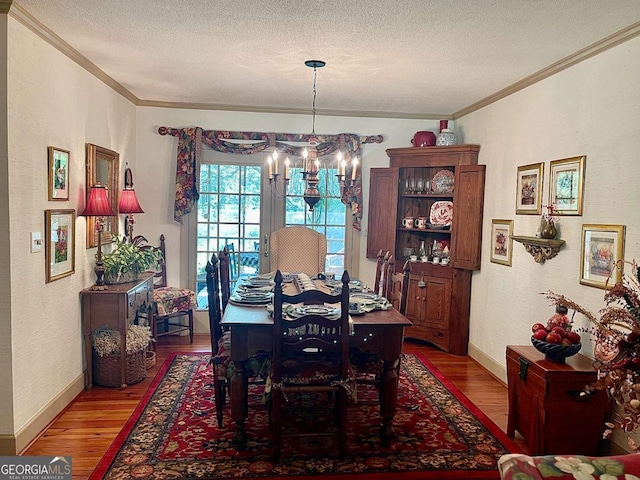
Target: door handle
(265, 247)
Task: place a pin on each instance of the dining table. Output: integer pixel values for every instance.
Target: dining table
(380, 332)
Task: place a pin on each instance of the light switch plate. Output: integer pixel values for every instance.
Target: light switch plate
(36, 242)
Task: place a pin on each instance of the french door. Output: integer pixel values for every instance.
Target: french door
(238, 208)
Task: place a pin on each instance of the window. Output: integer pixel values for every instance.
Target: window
(328, 217)
(237, 209)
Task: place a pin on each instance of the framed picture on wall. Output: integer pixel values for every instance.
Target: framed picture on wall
(58, 173)
(529, 189)
(501, 242)
(602, 252)
(59, 243)
(566, 183)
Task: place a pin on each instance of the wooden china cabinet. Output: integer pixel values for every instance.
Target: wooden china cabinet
(418, 177)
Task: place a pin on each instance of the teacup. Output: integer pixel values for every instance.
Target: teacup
(422, 222)
(436, 260)
(354, 306)
(413, 258)
(408, 222)
(445, 261)
(424, 258)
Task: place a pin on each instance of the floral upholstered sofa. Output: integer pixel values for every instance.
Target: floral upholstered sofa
(517, 466)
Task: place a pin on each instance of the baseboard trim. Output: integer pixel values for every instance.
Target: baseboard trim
(13, 444)
(489, 364)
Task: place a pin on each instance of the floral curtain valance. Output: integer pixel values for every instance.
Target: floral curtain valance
(190, 141)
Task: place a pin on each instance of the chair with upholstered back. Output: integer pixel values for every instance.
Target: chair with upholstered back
(310, 354)
(299, 250)
(172, 306)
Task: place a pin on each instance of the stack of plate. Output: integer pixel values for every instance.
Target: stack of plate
(257, 282)
(251, 297)
(332, 313)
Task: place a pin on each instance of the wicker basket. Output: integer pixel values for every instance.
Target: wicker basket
(150, 359)
(106, 370)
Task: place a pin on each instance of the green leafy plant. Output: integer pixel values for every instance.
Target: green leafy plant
(129, 258)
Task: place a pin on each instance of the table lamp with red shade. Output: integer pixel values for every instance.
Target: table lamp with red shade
(98, 206)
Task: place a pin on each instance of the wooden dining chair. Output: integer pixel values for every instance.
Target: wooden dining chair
(368, 366)
(310, 354)
(225, 277)
(381, 261)
(220, 340)
(172, 306)
(256, 367)
(396, 285)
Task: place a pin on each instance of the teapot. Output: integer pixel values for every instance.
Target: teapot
(424, 139)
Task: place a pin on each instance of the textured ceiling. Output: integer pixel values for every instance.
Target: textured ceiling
(413, 58)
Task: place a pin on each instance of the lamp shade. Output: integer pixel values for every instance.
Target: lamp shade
(129, 202)
(98, 204)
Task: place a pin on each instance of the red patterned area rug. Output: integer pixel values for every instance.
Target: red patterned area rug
(173, 434)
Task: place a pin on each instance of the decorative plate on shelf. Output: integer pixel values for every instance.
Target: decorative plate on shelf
(442, 182)
(441, 213)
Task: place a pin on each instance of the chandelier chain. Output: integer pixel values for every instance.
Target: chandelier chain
(313, 106)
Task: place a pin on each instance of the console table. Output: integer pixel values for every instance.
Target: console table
(116, 307)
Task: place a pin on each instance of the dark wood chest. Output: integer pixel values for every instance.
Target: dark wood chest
(547, 404)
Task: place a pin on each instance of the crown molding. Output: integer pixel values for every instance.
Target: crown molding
(29, 21)
(5, 6)
(25, 18)
(611, 41)
(292, 111)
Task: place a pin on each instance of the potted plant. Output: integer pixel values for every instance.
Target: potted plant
(128, 260)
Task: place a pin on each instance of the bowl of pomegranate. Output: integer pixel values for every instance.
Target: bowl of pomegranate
(555, 341)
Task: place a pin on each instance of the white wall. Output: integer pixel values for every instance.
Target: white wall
(592, 109)
(51, 101)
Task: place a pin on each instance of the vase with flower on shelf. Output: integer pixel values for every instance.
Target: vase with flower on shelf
(548, 229)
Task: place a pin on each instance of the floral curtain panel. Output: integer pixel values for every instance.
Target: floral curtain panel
(190, 141)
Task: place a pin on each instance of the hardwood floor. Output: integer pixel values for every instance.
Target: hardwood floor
(86, 429)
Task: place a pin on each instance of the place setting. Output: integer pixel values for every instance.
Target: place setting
(251, 297)
(364, 302)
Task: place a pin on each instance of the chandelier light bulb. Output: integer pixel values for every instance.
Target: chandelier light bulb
(286, 168)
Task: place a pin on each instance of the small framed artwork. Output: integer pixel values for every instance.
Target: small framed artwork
(501, 242)
(529, 189)
(59, 242)
(566, 182)
(58, 174)
(602, 247)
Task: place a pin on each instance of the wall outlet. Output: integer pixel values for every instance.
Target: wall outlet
(36, 242)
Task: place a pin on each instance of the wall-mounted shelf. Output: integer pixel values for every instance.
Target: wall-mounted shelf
(541, 249)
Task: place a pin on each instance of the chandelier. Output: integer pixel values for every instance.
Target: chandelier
(309, 163)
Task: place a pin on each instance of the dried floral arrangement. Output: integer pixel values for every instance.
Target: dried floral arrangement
(106, 341)
(617, 347)
(548, 216)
